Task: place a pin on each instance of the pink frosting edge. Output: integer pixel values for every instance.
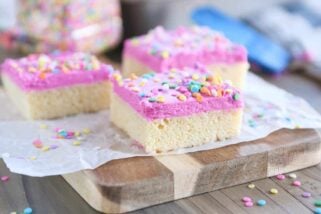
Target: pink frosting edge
(57, 80)
(153, 111)
(158, 64)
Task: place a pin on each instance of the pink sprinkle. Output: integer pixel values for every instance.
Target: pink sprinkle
(246, 199)
(38, 144)
(306, 195)
(248, 204)
(4, 178)
(296, 183)
(280, 177)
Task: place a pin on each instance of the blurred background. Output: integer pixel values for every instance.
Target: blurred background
(281, 36)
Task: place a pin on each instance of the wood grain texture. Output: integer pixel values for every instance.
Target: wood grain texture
(134, 183)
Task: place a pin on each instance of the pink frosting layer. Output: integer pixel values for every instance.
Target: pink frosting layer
(41, 72)
(174, 94)
(161, 50)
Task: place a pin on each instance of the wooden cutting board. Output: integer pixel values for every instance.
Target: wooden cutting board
(130, 184)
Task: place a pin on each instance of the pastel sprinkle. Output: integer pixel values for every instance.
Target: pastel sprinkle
(317, 210)
(251, 186)
(54, 146)
(13, 212)
(45, 148)
(280, 177)
(317, 203)
(246, 199)
(261, 202)
(76, 143)
(37, 143)
(43, 126)
(236, 96)
(160, 99)
(306, 195)
(165, 54)
(296, 183)
(5, 178)
(28, 210)
(248, 204)
(86, 131)
(33, 158)
(292, 175)
(181, 97)
(274, 191)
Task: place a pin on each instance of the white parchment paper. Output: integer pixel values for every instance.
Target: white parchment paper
(267, 109)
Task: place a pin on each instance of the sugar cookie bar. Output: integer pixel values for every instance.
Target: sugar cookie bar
(57, 85)
(176, 109)
(161, 50)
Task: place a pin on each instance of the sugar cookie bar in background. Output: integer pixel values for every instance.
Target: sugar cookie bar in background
(161, 50)
(57, 85)
(176, 109)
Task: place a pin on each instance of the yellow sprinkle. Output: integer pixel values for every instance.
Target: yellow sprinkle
(181, 97)
(297, 126)
(95, 62)
(117, 77)
(43, 126)
(76, 143)
(160, 99)
(171, 76)
(13, 213)
(165, 54)
(142, 83)
(173, 70)
(135, 42)
(77, 134)
(86, 131)
(274, 191)
(33, 158)
(217, 79)
(195, 77)
(251, 186)
(45, 148)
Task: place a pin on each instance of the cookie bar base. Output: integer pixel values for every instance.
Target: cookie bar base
(234, 72)
(60, 102)
(177, 132)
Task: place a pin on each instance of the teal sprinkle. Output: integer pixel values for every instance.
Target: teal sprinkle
(27, 211)
(261, 203)
(317, 210)
(163, 83)
(194, 88)
(152, 99)
(172, 86)
(148, 75)
(236, 96)
(252, 123)
(142, 94)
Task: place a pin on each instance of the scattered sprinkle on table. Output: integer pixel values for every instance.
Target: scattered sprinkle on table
(37, 143)
(251, 186)
(317, 210)
(33, 158)
(76, 143)
(13, 212)
(28, 210)
(43, 126)
(296, 183)
(246, 199)
(306, 195)
(5, 178)
(292, 175)
(280, 177)
(248, 204)
(317, 203)
(86, 131)
(274, 191)
(261, 202)
(45, 148)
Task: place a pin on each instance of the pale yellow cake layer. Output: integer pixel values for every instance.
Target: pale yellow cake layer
(60, 102)
(234, 72)
(178, 132)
